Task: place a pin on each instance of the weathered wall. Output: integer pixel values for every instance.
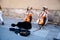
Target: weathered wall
(54, 15)
(36, 4)
(10, 5)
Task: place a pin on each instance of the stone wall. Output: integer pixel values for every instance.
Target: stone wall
(36, 4)
(54, 15)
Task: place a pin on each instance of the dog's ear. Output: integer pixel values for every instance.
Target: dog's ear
(13, 25)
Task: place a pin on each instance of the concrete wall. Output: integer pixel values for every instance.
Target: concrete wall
(54, 15)
(36, 4)
(10, 7)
